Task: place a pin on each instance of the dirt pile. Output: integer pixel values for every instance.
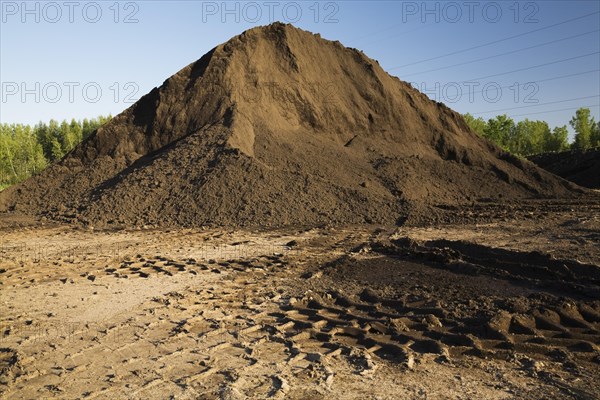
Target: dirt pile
(581, 167)
(278, 126)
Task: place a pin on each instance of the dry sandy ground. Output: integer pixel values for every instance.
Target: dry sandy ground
(356, 313)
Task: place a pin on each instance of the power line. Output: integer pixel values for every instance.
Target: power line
(546, 80)
(516, 84)
(534, 66)
(537, 105)
(561, 109)
(503, 54)
(566, 76)
(496, 41)
(554, 78)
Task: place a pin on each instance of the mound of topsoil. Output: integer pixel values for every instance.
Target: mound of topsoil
(579, 166)
(278, 126)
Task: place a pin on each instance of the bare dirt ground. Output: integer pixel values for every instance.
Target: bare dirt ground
(498, 310)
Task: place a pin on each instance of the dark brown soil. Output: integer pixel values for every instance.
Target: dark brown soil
(459, 299)
(580, 167)
(279, 127)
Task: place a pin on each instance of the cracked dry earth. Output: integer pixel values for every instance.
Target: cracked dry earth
(322, 313)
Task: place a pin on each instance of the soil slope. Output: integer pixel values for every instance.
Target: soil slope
(581, 167)
(278, 126)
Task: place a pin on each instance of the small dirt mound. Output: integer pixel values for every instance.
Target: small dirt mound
(579, 166)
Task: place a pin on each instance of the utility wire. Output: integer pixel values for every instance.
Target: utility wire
(537, 105)
(562, 109)
(554, 78)
(502, 54)
(495, 41)
(533, 66)
(546, 80)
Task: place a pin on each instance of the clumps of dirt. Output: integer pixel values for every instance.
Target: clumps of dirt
(540, 270)
(9, 365)
(279, 127)
(455, 299)
(579, 166)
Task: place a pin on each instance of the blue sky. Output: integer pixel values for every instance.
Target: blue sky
(536, 59)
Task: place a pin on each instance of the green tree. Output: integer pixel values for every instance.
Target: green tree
(500, 130)
(26, 150)
(77, 132)
(529, 137)
(7, 164)
(595, 135)
(65, 139)
(21, 155)
(85, 128)
(557, 140)
(56, 151)
(477, 125)
(583, 125)
(41, 132)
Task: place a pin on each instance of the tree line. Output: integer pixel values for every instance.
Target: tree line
(26, 150)
(529, 137)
